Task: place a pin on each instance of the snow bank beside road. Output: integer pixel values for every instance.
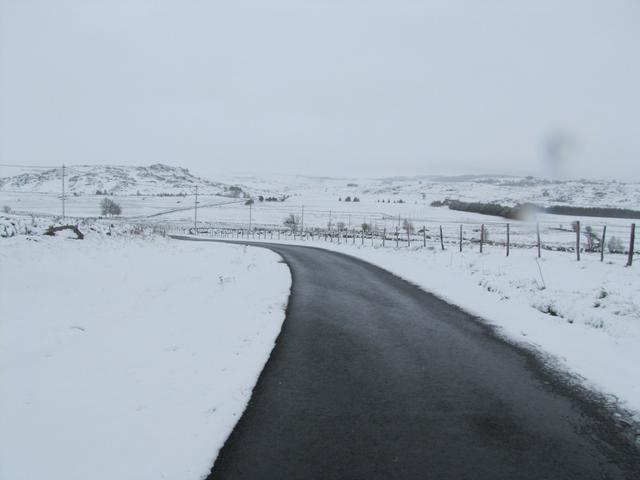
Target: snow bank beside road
(126, 357)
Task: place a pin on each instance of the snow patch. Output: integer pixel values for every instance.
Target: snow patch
(129, 357)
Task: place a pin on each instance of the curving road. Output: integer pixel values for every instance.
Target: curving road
(373, 378)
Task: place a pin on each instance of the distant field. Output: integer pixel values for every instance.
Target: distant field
(316, 208)
(383, 204)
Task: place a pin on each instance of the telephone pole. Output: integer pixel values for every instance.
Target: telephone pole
(63, 195)
(195, 215)
(250, 212)
(302, 221)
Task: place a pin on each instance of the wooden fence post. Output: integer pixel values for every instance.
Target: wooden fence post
(538, 237)
(384, 236)
(578, 240)
(397, 237)
(632, 244)
(362, 238)
(460, 238)
(604, 236)
(424, 236)
(441, 238)
(481, 237)
(508, 238)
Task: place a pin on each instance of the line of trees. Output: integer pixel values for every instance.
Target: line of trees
(524, 210)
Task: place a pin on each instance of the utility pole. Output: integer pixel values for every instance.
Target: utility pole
(577, 228)
(302, 220)
(329, 220)
(195, 216)
(250, 212)
(63, 195)
(632, 244)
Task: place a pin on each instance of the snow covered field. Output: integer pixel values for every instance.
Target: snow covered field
(133, 206)
(380, 200)
(583, 316)
(129, 357)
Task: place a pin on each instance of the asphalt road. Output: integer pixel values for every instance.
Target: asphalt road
(372, 378)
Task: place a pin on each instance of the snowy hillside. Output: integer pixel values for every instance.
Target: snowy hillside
(148, 191)
(118, 180)
(506, 190)
(162, 179)
(513, 190)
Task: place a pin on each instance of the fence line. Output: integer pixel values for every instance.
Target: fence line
(572, 237)
(575, 240)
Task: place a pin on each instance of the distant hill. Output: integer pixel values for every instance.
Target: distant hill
(511, 190)
(155, 179)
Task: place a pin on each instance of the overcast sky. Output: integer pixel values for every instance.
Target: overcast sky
(342, 87)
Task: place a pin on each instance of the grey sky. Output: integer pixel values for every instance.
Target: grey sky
(323, 87)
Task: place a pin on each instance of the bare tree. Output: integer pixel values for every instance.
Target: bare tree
(365, 227)
(110, 207)
(292, 222)
(593, 241)
(407, 226)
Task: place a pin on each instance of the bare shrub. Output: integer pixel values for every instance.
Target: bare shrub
(593, 241)
(110, 207)
(292, 222)
(407, 226)
(615, 245)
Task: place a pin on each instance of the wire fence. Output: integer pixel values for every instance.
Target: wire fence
(575, 238)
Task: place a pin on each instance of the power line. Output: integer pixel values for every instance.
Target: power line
(56, 194)
(10, 165)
